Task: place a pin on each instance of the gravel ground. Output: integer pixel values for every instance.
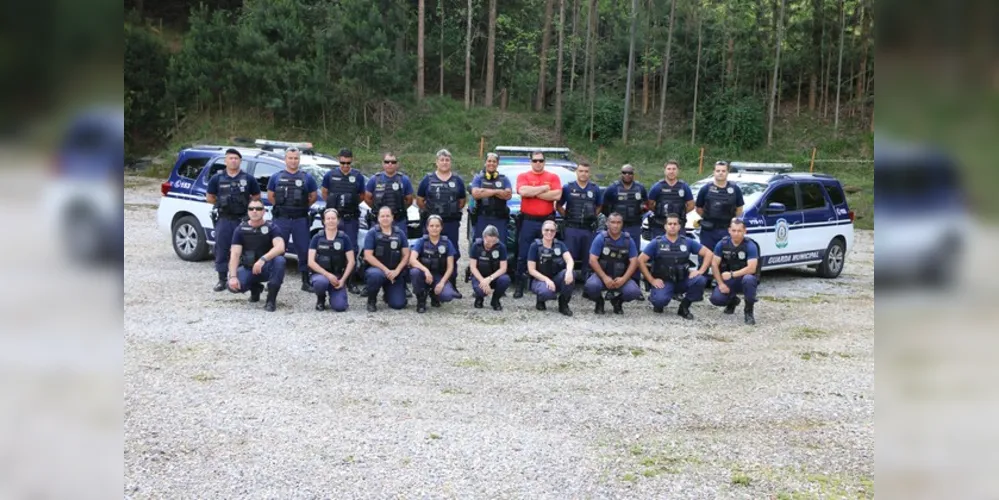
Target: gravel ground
(225, 400)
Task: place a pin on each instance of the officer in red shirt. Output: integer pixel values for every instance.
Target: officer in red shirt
(539, 190)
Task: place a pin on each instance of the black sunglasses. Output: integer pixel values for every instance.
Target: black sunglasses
(345, 163)
(627, 173)
(537, 161)
(256, 209)
(393, 162)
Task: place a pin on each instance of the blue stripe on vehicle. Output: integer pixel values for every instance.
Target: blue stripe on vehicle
(770, 229)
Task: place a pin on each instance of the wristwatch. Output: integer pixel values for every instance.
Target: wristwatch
(263, 258)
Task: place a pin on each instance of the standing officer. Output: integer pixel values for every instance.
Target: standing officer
(671, 273)
(628, 198)
(256, 256)
(734, 268)
(491, 190)
(343, 189)
(392, 189)
(487, 263)
(717, 204)
(442, 193)
(539, 189)
(550, 263)
(579, 207)
(431, 262)
(292, 192)
(387, 253)
(231, 191)
(331, 259)
(669, 196)
(613, 262)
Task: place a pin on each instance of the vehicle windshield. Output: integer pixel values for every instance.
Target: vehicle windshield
(749, 189)
(317, 171)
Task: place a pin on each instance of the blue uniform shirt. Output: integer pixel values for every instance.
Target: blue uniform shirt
(272, 228)
(369, 239)
(252, 186)
(479, 177)
(459, 185)
(475, 253)
(652, 248)
(703, 193)
(611, 192)
(532, 252)
(598, 198)
(687, 195)
(310, 182)
(358, 176)
(751, 252)
(321, 236)
(598, 245)
(407, 186)
(418, 245)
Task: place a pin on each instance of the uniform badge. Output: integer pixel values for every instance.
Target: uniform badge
(606, 251)
(683, 248)
(242, 182)
(495, 254)
(558, 251)
(781, 233)
(298, 182)
(394, 245)
(742, 255)
(731, 190)
(395, 186)
(264, 230)
(337, 245)
(352, 179)
(638, 196)
(589, 194)
(450, 184)
(441, 249)
(680, 192)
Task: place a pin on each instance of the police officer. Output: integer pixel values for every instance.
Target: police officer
(487, 263)
(579, 206)
(389, 188)
(291, 192)
(231, 191)
(256, 256)
(670, 271)
(343, 189)
(443, 193)
(331, 259)
(431, 261)
(613, 262)
(669, 196)
(717, 204)
(734, 268)
(629, 198)
(551, 265)
(387, 253)
(539, 189)
(491, 190)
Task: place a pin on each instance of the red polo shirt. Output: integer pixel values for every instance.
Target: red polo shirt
(536, 207)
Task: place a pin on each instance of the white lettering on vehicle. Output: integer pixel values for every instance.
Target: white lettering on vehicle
(797, 257)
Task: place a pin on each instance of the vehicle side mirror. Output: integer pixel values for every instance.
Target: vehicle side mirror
(776, 208)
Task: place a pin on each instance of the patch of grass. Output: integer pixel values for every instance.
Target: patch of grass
(454, 391)
(203, 377)
(807, 355)
(434, 436)
(808, 332)
(741, 479)
(615, 350)
(534, 340)
(471, 363)
(714, 337)
(629, 477)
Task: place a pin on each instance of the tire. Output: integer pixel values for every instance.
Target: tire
(188, 239)
(834, 261)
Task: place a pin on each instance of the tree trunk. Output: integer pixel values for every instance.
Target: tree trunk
(839, 71)
(817, 51)
(491, 55)
(797, 109)
(504, 99)
(468, 59)
(730, 70)
(645, 62)
(773, 84)
(697, 79)
(631, 72)
(592, 56)
(865, 35)
(825, 84)
(586, 54)
(419, 50)
(442, 49)
(666, 61)
(558, 72)
(572, 46)
(546, 40)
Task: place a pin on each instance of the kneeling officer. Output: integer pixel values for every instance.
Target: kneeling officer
(550, 264)
(670, 272)
(257, 256)
(431, 261)
(331, 259)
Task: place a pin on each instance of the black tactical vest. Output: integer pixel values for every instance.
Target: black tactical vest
(493, 206)
(488, 261)
(581, 206)
(342, 193)
(290, 197)
(672, 259)
(629, 203)
(331, 255)
(615, 255)
(551, 261)
(233, 198)
(733, 257)
(434, 255)
(670, 201)
(442, 197)
(719, 205)
(388, 193)
(388, 248)
(256, 241)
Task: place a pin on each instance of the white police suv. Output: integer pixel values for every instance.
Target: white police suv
(795, 219)
(187, 217)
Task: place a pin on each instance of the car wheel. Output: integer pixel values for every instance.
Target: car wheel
(834, 260)
(189, 239)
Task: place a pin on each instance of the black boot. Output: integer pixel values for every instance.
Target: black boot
(271, 304)
(306, 285)
(321, 301)
(519, 292)
(409, 293)
(750, 320)
(421, 302)
(540, 305)
(599, 308)
(479, 301)
(255, 292)
(454, 283)
(563, 305)
(495, 302)
(618, 305)
(435, 301)
(352, 288)
(684, 310)
(732, 304)
(657, 309)
(222, 284)
(372, 302)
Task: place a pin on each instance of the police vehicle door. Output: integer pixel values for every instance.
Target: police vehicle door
(779, 238)
(819, 222)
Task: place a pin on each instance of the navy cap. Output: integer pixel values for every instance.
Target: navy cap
(346, 153)
(233, 151)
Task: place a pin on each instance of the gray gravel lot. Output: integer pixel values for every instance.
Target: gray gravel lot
(224, 400)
